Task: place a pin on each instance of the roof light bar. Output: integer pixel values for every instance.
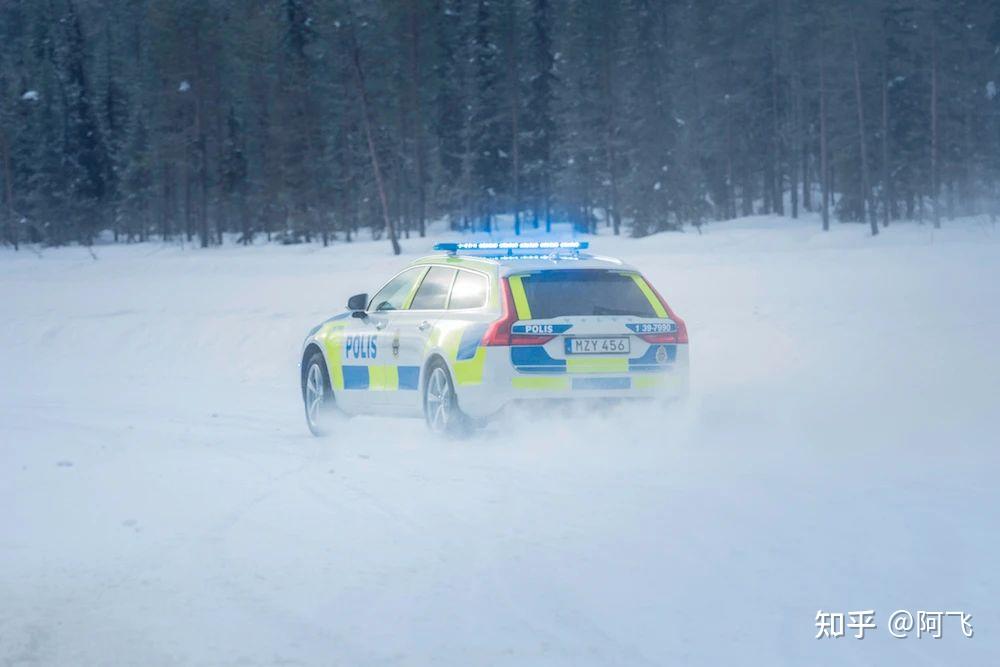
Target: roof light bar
(519, 256)
(510, 246)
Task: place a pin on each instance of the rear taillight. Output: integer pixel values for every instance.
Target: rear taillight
(659, 338)
(498, 333)
(680, 336)
(682, 330)
(522, 339)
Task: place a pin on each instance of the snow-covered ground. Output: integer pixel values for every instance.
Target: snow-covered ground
(161, 501)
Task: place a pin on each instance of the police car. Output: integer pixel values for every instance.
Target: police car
(458, 336)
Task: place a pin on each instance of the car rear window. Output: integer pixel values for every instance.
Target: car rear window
(570, 292)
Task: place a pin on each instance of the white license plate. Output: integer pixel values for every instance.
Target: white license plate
(597, 345)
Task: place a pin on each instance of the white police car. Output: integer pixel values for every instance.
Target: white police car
(458, 336)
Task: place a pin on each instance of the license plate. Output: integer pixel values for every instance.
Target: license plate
(597, 345)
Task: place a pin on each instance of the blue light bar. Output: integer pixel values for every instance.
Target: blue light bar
(520, 256)
(510, 246)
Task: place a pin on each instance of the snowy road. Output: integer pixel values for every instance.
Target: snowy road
(162, 502)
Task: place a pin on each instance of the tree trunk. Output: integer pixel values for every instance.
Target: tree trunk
(359, 82)
(824, 168)
(746, 192)
(166, 208)
(793, 164)
(730, 150)
(202, 177)
(776, 180)
(188, 217)
(730, 204)
(418, 124)
(247, 237)
(886, 172)
(342, 214)
(935, 175)
(610, 153)
(616, 216)
(8, 191)
(513, 80)
(399, 193)
(350, 202)
(201, 146)
(806, 176)
(547, 180)
(224, 202)
(865, 187)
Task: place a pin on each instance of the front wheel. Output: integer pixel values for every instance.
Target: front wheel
(441, 404)
(317, 395)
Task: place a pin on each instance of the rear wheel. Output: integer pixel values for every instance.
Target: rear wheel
(441, 409)
(317, 395)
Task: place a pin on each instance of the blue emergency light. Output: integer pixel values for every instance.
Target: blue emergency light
(508, 247)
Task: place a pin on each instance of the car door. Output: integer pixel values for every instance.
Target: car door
(409, 331)
(366, 349)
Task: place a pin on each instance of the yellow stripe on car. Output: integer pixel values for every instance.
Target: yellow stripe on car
(448, 337)
(383, 377)
(332, 336)
(597, 365)
(391, 378)
(375, 374)
(665, 381)
(646, 381)
(414, 288)
(650, 296)
(541, 383)
(470, 371)
(520, 298)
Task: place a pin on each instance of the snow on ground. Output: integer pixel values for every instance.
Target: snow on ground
(163, 503)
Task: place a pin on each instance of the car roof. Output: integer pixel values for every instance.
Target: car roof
(508, 265)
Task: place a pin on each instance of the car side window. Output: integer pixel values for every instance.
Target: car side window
(393, 295)
(433, 291)
(469, 291)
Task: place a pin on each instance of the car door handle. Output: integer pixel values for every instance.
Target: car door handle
(380, 325)
(424, 326)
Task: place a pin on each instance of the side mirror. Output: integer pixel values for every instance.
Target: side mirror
(356, 304)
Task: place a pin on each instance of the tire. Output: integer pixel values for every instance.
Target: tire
(441, 411)
(317, 395)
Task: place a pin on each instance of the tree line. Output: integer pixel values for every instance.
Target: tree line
(312, 120)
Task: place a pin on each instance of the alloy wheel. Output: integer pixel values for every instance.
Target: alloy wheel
(315, 393)
(439, 400)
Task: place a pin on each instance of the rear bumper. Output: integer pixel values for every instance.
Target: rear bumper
(503, 386)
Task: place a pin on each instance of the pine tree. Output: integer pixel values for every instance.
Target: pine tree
(651, 120)
(234, 174)
(83, 145)
(137, 181)
(539, 121)
(490, 136)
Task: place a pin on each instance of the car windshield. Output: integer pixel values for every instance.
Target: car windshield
(569, 292)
